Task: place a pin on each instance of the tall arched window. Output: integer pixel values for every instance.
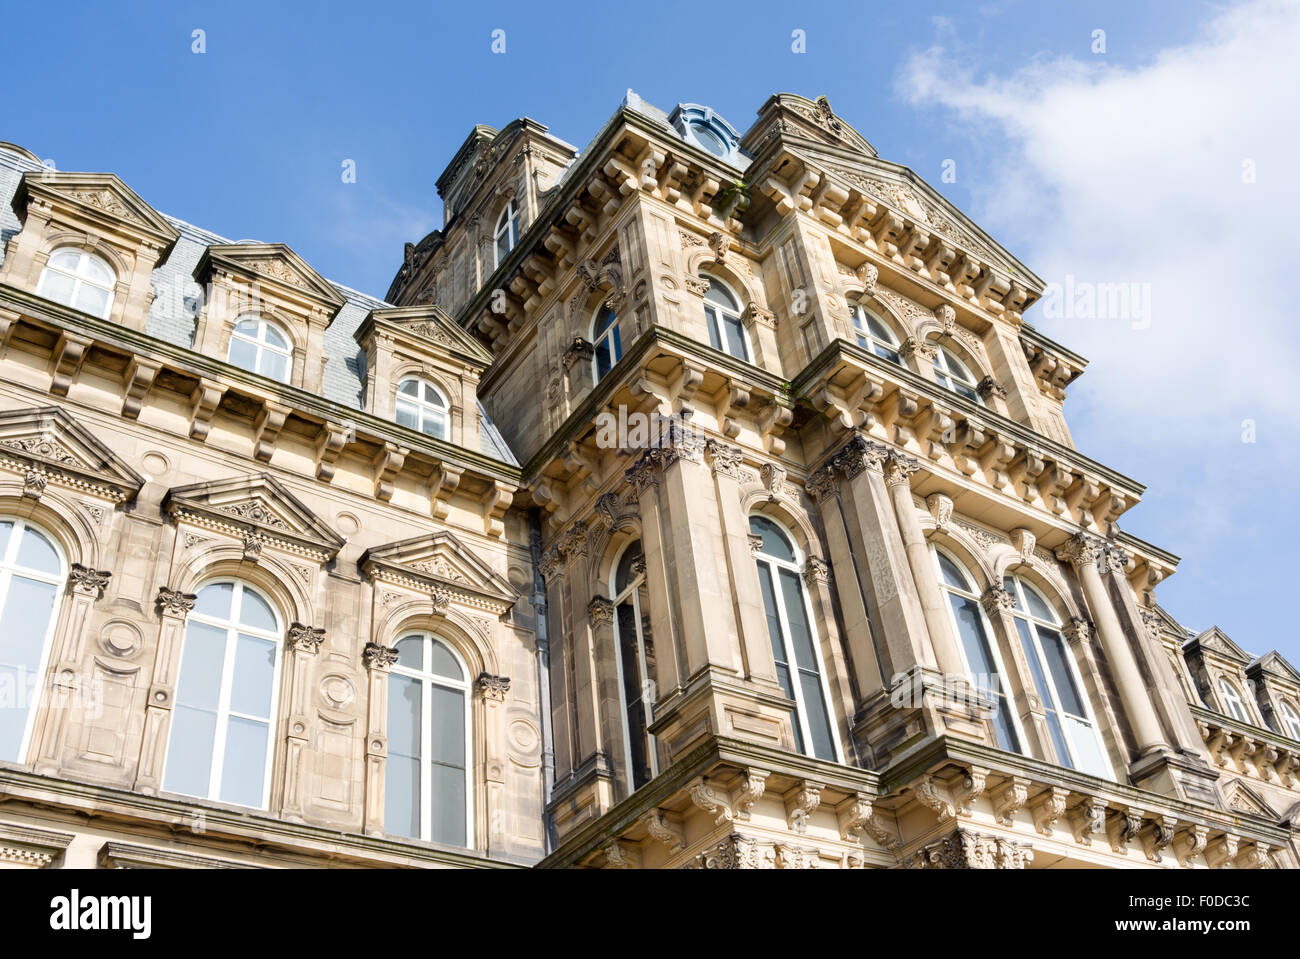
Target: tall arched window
(426, 791)
(31, 574)
(421, 406)
(1070, 721)
(259, 346)
(1290, 720)
(605, 338)
(722, 314)
(953, 374)
(78, 279)
(637, 672)
(1232, 701)
(506, 233)
(875, 335)
(223, 724)
(983, 663)
(794, 641)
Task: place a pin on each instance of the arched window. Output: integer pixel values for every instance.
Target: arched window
(506, 233)
(726, 328)
(605, 338)
(1290, 720)
(259, 346)
(78, 279)
(31, 575)
(1232, 701)
(875, 335)
(983, 663)
(223, 724)
(954, 375)
(637, 672)
(426, 791)
(1070, 721)
(794, 641)
(421, 406)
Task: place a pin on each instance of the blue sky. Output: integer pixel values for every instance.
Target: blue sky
(1122, 166)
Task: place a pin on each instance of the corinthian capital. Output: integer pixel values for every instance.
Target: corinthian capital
(600, 611)
(859, 454)
(1083, 550)
(899, 469)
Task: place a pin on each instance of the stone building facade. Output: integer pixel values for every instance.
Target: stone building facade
(698, 499)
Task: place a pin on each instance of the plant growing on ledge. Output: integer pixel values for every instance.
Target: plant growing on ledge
(733, 198)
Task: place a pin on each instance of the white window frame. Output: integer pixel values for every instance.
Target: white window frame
(612, 334)
(1289, 719)
(633, 592)
(869, 341)
(78, 277)
(1230, 697)
(991, 637)
(735, 314)
(945, 374)
(8, 569)
(233, 628)
(1022, 611)
(427, 678)
(507, 225)
(423, 407)
(261, 346)
(797, 568)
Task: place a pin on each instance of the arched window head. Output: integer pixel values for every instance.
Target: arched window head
(421, 406)
(875, 335)
(223, 724)
(506, 233)
(1290, 720)
(637, 668)
(427, 788)
(261, 347)
(1232, 701)
(953, 374)
(983, 661)
(794, 638)
(32, 574)
(605, 338)
(1070, 721)
(722, 315)
(78, 279)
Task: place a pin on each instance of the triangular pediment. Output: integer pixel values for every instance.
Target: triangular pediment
(1216, 640)
(47, 440)
(440, 559)
(257, 503)
(1273, 664)
(100, 195)
(1241, 798)
(430, 326)
(273, 263)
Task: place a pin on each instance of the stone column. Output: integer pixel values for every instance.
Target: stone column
(1085, 553)
(491, 832)
(664, 620)
(302, 643)
(898, 472)
(377, 659)
(173, 607)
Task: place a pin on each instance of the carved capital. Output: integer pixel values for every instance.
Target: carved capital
(376, 656)
(723, 458)
(1083, 550)
(997, 597)
(492, 688)
(87, 581)
(600, 612)
(859, 454)
(305, 639)
(172, 602)
(823, 483)
(899, 469)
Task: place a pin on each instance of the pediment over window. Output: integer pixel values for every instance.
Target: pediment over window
(1272, 664)
(425, 328)
(47, 445)
(441, 562)
(259, 505)
(1241, 798)
(94, 198)
(1216, 641)
(279, 272)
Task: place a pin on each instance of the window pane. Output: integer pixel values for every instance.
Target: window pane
(97, 271)
(603, 361)
(35, 552)
(409, 388)
(254, 612)
(1055, 653)
(66, 259)
(432, 396)
(247, 328)
(243, 354)
(92, 300)
(410, 652)
(1031, 657)
(974, 643)
(407, 415)
(244, 768)
(1087, 747)
(251, 687)
(879, 330)
(814, 705)
(58, 287)
(1004, 728)
(433, 424)
(403, 716)
(623, 577)
(952, 575)
(796, 615)
(888, 354)
(637, 745)
(275, 366)
(273, 336)
(775, 542)
(717, 293)
(769, 607)
(711, 316)
(189, 751)
(442, 662)
(402, 796)
(26, 619)
(736, 338)
(1036, 605)
(629, 659)
(447, 786)
(1058, 739)
(214, 600)
(202, 660)
(447, 743)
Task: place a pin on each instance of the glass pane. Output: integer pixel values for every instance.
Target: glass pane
(432, 396)
(819, 723)
(1087, 748)
(604, 320)
(974, 643)
(214, 600)
(275, 365)
(409, 388)
(769, 607)
(711, 318)
(442, 662)
(202, 662)
(629, 659)
(244, 768)
(1004, 728)
(1009, 585)
(796, 615)
(66, 259)
(1055, 653)
(1058, 739)
(775, 541)
(408, 415)
(603, 361)
(1035, 667)
(447, 743)
(637, 744)
(17, 689)
(274, 337)
(952, 574)
(879, 330)
(253, 681)
(617, 340)
(410, 652)
(1037, 606)
(403, 716)
(35, 552)
(624, 576)
(189, 751)
(503, 247)
(255, 612)
(97, 271)
(888, 354)
(402, 796)
(243, 354)
(26, 618)
(447, 788)
(736, 338)
(717, 293)
(247, 327)
(58, 287)
(92, 300)
(434, 424)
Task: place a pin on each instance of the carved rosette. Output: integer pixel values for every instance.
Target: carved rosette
(492, 688)
(172, 602)
(305, 639)
(87, 581)
(376, 656)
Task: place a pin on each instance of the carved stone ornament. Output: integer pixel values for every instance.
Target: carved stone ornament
(600, 611)
(659, 826)
(33, 484)
(966, 849)
(816, 572)
(859, 454)
(173, 602)
(997, 597)
(1083, 550)
(708, 799)
(751, 791)
(940, 507)
(734, 852)
(899, 469)
(1009, 798)
(1089, 819)
(989, 387)
(927, 793)
(822, 484)
(868, 274)
(580, 350)
(1024, 542)
(1048, 808)
(306, 639)
(723, 458)
(492, 687)
(92, 582)
(376, 656)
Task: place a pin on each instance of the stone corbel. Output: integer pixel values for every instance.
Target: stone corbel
(972, 787)
(330, 443)
(1125, 827)
(858, 817)
(1088, 819)
(495, 503)
(928, 794)
(666, 828)
(621, 854)
(87, 581)
(800, 803)
(1255, 856)
(386, 465)
(773, 418)
(1190, 843)
(751, 791)
(1221, 851)
(940, 507)
(138, 378)
(712, 802)
(266, 430)
(492, 688)
(204, 400)
(1047, 808)
(1009, 798)
(1158, 836)
(69, 354)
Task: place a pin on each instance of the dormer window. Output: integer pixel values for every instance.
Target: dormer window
(259, 346)
(953, 374)
(1290, 720)
(421, 406)
(726, 328)
(80, 280)
(506, 233)
(1232, 703)
(699, 125)
(874, 335)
